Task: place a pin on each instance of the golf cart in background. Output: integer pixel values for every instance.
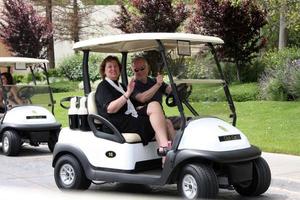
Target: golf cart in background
(207, 152)
(33, 120)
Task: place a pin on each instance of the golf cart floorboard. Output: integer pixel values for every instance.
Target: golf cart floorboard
(144, 177)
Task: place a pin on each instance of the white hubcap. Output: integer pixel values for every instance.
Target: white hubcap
(67, 174)
(5, 144)
(189, 186)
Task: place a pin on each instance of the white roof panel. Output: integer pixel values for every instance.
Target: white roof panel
(13, 60)
(141, 42)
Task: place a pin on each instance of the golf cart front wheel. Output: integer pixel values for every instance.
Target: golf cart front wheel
(260, 181)
(198, 181)
(11, 143)
(69, 174)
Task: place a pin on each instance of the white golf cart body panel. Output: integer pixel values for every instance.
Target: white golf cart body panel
(13, 60)
(124, 157)
(29, 115)
(204, 133)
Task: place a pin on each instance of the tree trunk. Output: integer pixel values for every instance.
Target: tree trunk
(238, 71)
(282, 28)
(75, 21)
(50, 50)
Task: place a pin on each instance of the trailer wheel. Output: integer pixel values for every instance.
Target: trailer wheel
(198, 181)
(260, 182)
(11, 143)
(69, 174)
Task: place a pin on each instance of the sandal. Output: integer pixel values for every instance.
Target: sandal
(162, 151)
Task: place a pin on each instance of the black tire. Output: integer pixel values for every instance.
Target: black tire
(11, 143)
(69, 174)
(260, 182)
(198, 181)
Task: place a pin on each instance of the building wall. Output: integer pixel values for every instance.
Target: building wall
(3, 50)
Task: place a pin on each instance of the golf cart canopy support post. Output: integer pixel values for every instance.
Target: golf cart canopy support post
(225, 85)
(85, 73)
(178, 103)
(124, 71)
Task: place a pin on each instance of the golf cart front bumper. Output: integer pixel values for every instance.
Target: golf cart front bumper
(223, 157)
(35, 132)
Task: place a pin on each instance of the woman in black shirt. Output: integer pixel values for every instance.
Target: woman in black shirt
(114, 103)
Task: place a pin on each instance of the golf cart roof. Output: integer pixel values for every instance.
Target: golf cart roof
(13, 60)
(141, 42)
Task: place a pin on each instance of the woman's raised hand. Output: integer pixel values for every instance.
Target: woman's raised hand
(130, 87)
(159, 79)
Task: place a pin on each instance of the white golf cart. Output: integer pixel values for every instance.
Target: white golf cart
(207, 153)
(31, 120)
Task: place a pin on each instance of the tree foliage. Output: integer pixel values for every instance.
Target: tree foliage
(238, 23)
(150, 16)
(290, 10)
(24, 31)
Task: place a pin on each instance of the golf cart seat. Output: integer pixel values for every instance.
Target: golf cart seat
(92, 110)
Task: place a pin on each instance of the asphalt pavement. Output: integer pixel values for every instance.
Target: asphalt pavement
(285, 170)
(30, 176)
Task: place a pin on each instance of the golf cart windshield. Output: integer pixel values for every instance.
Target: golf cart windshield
(27, 95)
(21, 94)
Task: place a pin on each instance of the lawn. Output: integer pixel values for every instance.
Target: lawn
(272, 125)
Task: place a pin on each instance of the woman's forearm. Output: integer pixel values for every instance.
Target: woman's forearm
(117, 104)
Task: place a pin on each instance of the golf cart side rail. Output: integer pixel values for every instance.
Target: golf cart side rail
(116, 136)
(225, 85)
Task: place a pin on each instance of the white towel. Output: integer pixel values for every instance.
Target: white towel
(130, 108)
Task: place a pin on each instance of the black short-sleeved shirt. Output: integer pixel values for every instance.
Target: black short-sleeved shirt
(141, 87)
(105, 94)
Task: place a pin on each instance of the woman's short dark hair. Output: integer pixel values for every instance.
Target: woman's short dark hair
(106, 60)
(9, 78)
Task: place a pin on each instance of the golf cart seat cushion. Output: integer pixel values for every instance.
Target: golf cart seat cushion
(92, 109)
(132, 137)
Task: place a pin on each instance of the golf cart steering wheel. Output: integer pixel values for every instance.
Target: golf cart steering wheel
(184, 90)
(25, 93)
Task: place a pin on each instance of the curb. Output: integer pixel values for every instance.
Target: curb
(286, 183)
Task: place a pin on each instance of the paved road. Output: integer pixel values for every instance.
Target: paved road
(30, 176)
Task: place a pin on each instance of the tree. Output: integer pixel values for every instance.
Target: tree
(238, 23)
(23, 30)
(150, 16)
(283, 22)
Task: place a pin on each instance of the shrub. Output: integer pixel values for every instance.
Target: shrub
(282, 83)
(54, 72)
(64, 86)
(239, 92)
(277, 59)
(71, 67)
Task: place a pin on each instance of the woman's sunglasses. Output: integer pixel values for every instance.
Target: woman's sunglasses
(138, 70)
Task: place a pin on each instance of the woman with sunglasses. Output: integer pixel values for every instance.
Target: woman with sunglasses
(147, 89)
(114, 103)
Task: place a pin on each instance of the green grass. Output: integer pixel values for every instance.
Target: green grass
(61, 114)
(272, 126)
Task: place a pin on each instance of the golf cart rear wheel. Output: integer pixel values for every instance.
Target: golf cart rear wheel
(69, 174)
(11, 143)
(198, 181)
(260, 182)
